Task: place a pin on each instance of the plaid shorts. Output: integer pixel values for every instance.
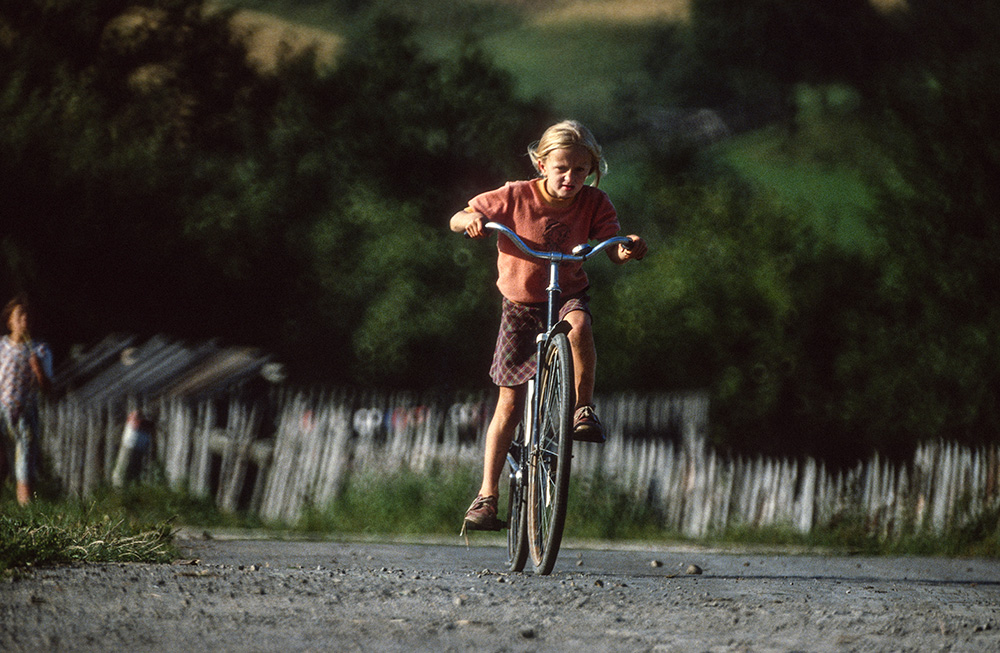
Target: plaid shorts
(514, 356)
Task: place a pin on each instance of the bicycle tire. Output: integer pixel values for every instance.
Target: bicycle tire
(517, 537)
(549, 463)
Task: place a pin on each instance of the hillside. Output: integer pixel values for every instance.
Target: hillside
(578, 56)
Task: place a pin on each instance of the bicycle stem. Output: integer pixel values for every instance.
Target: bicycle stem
(553, 291)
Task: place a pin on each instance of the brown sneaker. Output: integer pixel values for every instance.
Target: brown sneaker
(482, 515)
(586, 426)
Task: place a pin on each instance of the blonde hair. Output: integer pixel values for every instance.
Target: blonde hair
(563, 136)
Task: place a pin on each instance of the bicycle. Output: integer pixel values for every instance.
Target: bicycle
(540, 454)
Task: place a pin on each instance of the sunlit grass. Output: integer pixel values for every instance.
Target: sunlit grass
(67, 532)
(575, 68)
(132, 524)
(813, 173)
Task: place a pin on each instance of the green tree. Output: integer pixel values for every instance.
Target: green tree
(743, 298)
(108, 107)
(934, 344)
(409, 141)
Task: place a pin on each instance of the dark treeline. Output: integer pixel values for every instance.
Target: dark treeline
(155, 182)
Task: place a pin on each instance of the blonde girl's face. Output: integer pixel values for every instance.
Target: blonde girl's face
(566, 171)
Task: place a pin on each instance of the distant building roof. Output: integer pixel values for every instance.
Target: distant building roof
(117, 368)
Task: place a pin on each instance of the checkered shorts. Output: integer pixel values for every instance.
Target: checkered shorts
(514, 356)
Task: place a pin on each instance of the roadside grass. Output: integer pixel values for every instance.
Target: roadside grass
(600, 509)
(397, 503)
(155, 502)
(851, 535)
(433, 503)
(50, 533)
(131, 524)
(137, 523)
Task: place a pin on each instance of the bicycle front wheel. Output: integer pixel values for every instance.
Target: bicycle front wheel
(549, 460)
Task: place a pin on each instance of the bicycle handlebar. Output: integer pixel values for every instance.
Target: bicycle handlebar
(580, 252)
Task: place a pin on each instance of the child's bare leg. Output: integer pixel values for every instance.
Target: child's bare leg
(581, 340)
(586, 426)
(510, 409)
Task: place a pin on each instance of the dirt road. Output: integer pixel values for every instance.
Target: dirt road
(259, 595)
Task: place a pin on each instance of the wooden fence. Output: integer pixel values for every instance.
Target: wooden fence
(274, 461)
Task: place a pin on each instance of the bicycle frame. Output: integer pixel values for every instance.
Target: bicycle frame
(553, 292)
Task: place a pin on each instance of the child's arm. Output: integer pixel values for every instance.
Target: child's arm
(621, 254)
(472, 223)
(42, 371)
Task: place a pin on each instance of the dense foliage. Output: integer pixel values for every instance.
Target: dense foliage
(934, 341)
(156, 182)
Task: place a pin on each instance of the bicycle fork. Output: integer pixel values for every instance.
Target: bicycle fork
(526, 445)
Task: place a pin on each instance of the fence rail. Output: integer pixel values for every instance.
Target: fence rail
(275, 461)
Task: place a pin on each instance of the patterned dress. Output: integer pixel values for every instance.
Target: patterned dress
(19, 404)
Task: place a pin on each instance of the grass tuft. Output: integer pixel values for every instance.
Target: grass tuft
(45, 534)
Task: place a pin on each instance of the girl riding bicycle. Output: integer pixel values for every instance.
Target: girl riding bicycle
(553, 212)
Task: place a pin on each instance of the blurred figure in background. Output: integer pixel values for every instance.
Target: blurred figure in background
(25, 371)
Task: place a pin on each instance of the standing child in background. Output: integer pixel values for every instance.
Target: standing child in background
(25, 369)
(554, 212)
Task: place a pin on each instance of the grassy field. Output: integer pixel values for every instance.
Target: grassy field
(834, 196)
(576, 67)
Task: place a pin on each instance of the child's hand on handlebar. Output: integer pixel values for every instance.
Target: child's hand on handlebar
(477, 226)
(471, 223)
(635, 250)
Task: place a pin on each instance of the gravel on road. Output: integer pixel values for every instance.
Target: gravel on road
(267, 595)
